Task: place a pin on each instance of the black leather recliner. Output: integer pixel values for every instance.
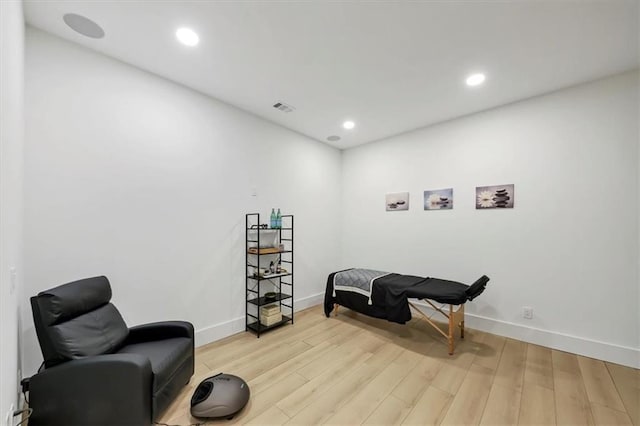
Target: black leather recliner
(96, 370)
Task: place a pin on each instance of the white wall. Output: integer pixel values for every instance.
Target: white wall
(147, 182)
(11, 159)
(132, 176)
(569, 248)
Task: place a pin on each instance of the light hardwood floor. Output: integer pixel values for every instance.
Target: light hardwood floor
(352, 369)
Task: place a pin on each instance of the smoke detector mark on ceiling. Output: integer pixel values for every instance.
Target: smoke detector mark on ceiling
(83, 25)
(333, 138)
(283, 107)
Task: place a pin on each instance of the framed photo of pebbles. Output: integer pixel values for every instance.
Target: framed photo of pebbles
(495, 197)
(438, 199)
(397, 201)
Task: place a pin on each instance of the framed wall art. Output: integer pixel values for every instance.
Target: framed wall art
(397, 201)
(438, 199)
(495, 197)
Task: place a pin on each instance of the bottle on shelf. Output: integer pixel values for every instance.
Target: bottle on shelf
(278, 219)
(274, 219)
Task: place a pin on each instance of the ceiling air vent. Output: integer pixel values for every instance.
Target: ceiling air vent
(283, 107)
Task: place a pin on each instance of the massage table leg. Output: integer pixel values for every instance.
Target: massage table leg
(451, 329)
(456, 319)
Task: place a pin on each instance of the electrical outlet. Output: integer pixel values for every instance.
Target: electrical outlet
(527, 312)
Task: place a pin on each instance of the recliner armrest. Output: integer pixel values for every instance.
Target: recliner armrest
(99, 390)
(159, 331)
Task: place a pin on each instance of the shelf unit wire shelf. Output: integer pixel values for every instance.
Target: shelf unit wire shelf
(257, 286)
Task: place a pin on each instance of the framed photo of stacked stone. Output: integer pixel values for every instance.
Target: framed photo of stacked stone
(438, 199)
(397, 201)
(495, 197)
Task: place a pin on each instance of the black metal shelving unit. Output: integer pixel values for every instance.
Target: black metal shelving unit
(256, 285)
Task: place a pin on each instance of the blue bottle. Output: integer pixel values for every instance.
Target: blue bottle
(274, 220)
(278, 220)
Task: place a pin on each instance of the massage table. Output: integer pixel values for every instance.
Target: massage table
(386, 295)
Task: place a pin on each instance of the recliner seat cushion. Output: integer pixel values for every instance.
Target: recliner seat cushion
(166, 356)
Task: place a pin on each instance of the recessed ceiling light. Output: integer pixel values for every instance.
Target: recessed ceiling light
(187, 36)
(333, 138)
(475, 79)
(83, 25)
(348, 125)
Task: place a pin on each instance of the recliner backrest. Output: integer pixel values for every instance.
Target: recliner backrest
(76, 320)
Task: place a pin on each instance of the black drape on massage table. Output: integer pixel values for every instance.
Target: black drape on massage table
(390, 293)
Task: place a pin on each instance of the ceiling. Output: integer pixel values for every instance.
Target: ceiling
(389, 66)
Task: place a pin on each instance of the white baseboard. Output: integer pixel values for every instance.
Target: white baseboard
(309, 301)
(565, 342)
(219, 331)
